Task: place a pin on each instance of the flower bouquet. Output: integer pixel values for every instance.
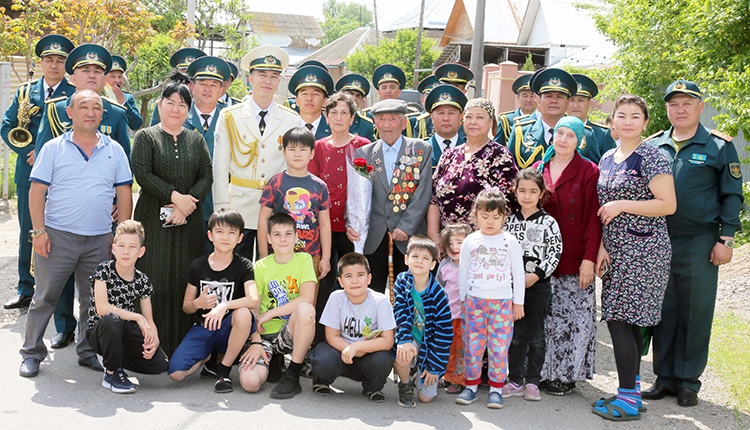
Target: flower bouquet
(358, 198)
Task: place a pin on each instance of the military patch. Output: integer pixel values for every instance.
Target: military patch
(106, 129)
(698, 159)
(722, 135)
(735, 171)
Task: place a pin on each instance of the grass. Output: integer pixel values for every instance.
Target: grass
(12, 167)
(728, 355)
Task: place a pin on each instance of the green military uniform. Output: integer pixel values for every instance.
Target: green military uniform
(227, 100)
(708, 185)
(291, 102)
(506, 121)
(180, 61)
(135, 120)
(391, 73)
(597, 139)
(423, 129)
(362, 125)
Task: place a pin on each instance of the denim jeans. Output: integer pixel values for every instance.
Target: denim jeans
(526, 354)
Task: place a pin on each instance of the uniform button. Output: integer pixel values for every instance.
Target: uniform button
(262, 145)
(262, 175)
(262, 160)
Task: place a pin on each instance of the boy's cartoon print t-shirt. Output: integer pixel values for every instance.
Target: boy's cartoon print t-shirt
(356, 322)
(227, 284)
(303, 198)
(279, 284)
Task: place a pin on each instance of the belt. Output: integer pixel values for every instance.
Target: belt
(247, 183)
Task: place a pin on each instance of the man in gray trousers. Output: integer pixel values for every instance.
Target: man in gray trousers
(80, 172)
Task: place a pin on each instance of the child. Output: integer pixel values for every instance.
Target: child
(304, 197)
(451, 239)
(359, 333)
(286, 316)
(539, 236)
(123, 337)
(423, 318)
(220, 294)
(491, 288)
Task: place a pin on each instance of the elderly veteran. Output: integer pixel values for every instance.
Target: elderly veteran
(708, 184)
(401, 190)
(527, 102)
(531, 138)
(388, 81)
(466, 170)
(247, 143)
(598, 138)
(357, 87)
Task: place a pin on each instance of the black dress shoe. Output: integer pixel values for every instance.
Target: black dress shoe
(29, 368)
(656, 392)
(687, 397)
(91, 362)
(19, 301)
(62, 339)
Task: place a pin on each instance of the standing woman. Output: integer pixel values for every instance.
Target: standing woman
(570, 330)
(466, 170)
(173, 168)
(636, 192)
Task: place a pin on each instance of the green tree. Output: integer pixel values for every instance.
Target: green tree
(19, 35)
(706, 41)
(400, 51)
(340, 18)
(528, 66)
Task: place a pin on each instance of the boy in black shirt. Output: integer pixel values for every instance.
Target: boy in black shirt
(220, 293)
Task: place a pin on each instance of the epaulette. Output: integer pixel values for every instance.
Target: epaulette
(520, 117)
(722, 135)
(600, 125)
(657, 134)
(364, 117)
(126, 92)
(588, 126)
(114, 102)
(412, 109)
(521, 124)
(27, 83)
(506, 113)
(288, 109)
(367, 109)
(236, 100)
(412, 115)
(221, 101)
(235, 106)
(56, 99)
(423, 115)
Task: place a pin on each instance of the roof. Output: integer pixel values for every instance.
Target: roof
(436, 14)
(502, 21)
(336, 52)
(289, 25)
(548, 23)
(599, 55)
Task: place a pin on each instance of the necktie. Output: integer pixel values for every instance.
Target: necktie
(447, 144)
(262, 123)
(205, 117)
(50, 90)
(309, 127)
(552, 135)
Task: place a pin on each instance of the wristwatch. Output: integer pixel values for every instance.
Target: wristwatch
(36, 233)
(728, 243)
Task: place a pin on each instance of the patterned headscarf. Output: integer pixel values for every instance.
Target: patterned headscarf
(572, 123)
(481, 103)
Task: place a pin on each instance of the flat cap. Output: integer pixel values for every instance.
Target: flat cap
(389, 106)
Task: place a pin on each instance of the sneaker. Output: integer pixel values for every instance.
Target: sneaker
(559, 388)
(495, 400)
(223, 385)
(511, 389)
(374, 396)
(118, 382)
(209, 370)
(454, 388)
(531, 393)
(322, 389)
(466, 397)
(275, 368)
(288, 387)
(406, 395)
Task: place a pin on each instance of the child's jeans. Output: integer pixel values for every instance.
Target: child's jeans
(488, 325)
(371, 369)
(528, 337)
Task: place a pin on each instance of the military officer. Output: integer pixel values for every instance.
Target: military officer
(180, 61)
(531, 138)
(226, 99)
(597, 139)
(423, 129)
(52, 49)
(290, 102)
(708, 184)
(311, 86)
(527, 102)
(357, 87)
(248, 141)
(115, 80)
(454, 74)
(445, 103)
(388, 81)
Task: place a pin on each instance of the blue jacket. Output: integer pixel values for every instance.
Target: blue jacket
(596, 142)
(10, 121)
(438, 331)
(323, 129)
(437, 147)
(135, 120)
(532, 145)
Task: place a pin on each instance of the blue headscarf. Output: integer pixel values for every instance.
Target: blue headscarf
(572, 123)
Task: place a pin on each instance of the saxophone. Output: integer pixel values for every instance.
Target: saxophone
(20, 136)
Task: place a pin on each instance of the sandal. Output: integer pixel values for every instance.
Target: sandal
(374, 396)
(601, 402)
(610, 414)
(322, 389)
(454, 388)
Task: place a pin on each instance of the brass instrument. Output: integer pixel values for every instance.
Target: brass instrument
(20, 136)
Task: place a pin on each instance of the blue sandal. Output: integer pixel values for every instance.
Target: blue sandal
(610, 414)
(601, 402)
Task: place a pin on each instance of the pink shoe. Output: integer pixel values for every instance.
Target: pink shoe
(532, 393)
(512, 389)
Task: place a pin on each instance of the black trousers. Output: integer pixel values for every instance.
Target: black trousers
(371, 369)
(120, 343)
(340, 245)
(248, 247)
(379, 265)
(528, 347)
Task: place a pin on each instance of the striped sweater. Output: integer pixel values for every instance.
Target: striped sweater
(540, 239)
(438, 332)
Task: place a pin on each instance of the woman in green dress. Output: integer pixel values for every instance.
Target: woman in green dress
(173, 168)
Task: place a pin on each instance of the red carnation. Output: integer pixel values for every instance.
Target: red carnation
(369, 169)
(360, 162)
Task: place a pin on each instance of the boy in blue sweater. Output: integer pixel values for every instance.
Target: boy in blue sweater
(424, 330)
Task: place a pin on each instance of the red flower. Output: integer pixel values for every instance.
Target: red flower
(360, 162)
(369, 169)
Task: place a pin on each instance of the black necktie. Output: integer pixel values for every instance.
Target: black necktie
(206, 126)
(309, 127)
(262, 123)
(50, 90)
(447, 144)
(552, 135)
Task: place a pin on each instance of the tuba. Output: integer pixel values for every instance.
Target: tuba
(20, 136)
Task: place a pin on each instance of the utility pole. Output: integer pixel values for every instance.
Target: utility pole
(191, 17)
(419, 47)
(375, 14)
(477, 48)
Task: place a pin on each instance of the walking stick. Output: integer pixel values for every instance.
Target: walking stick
(391, 276)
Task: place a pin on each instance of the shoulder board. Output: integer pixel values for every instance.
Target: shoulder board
(288, 109)
(234, 106)
(529, 122)
(221, 101)
(236, 100)
(657, 134)
(722, 135)
(364, 117)
(56, 99)
(412, 114)
(114, 102)
(422, 116)
(600, 125)
(412, 109)
(27, 83)
(521, 117)
(367, 109)
(588, 126)
(127, 92)
(506, 113)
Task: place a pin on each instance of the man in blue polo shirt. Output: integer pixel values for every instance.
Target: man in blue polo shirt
(80, 172)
